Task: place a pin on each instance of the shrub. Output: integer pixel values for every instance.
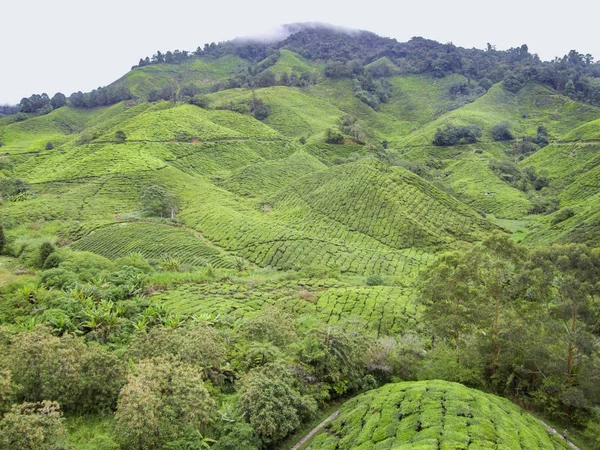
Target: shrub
(157, 201)
(271, 404)
(453, 135)
(10, 187)
(512, 83)
(562, 215)
(333, 137)
(161, 402)
(259, 110)
(374, 280)
(36, 426)
(45, 250)
(120, 136)
(501, 132)
(199, 100)
(49, 145)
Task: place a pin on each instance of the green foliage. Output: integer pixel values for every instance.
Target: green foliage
(452, 135)
(374, 280)
(157, 201)
(501, 132)
(33, 426)
(271, 403)
(333, 137)
(120, 136)
(161, 402)
(81, 379)
(46, 249)
(49, 146)
(433, 414)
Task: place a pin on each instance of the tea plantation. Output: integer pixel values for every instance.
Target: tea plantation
(430, 415)
(218, 248)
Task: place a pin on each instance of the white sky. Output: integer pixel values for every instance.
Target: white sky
(71, 45)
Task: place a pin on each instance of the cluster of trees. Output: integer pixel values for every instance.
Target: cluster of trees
(252, 51)
(9, 110)
(266, 78)
(42, 104)
(103, 96)
(521, 322)
(453, 135)
(371, 91)
(573, 74)
(347, 55)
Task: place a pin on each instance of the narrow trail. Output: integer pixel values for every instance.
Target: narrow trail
(552, 430)
(315, 430)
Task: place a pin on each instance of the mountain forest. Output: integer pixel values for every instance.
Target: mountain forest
(229, 246)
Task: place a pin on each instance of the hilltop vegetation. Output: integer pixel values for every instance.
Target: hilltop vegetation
(432, 415)
(222, 242)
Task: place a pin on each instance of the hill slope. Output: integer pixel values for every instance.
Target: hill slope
(431, 415)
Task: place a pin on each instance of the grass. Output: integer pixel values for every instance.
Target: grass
(433, 415)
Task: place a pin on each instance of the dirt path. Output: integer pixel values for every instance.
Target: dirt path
(315, 430)
(552, 430)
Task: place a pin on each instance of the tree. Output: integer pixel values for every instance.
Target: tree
(188, 91)
(162, 401)
(58, 100)
(570, 281)
(543, 137)
(501, 132)
(333, 137)
(32, 426)
(271, 404)
(120, 136)
(49, 145)
(45, 250)
(157, 201)
(259, 110)
(45, 366)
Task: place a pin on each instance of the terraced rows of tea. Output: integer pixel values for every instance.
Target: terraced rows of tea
(154, 242)
(384, 310)
(433, 415)
(392, 206)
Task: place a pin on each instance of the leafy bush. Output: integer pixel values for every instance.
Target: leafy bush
(259, 110)
(11, 187)
(501, 132)
(157, 201)
(562, 215)
(120, 136)
(49, 146)
(36, 426)
(453, 135)
(374, 280)
(202, 101)
(333, 137)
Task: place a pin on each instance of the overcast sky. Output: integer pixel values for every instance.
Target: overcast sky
(71, 45)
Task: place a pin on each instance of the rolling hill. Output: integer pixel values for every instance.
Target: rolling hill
(300, 190)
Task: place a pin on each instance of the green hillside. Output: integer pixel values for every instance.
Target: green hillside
(221, 246)
(433, 415)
